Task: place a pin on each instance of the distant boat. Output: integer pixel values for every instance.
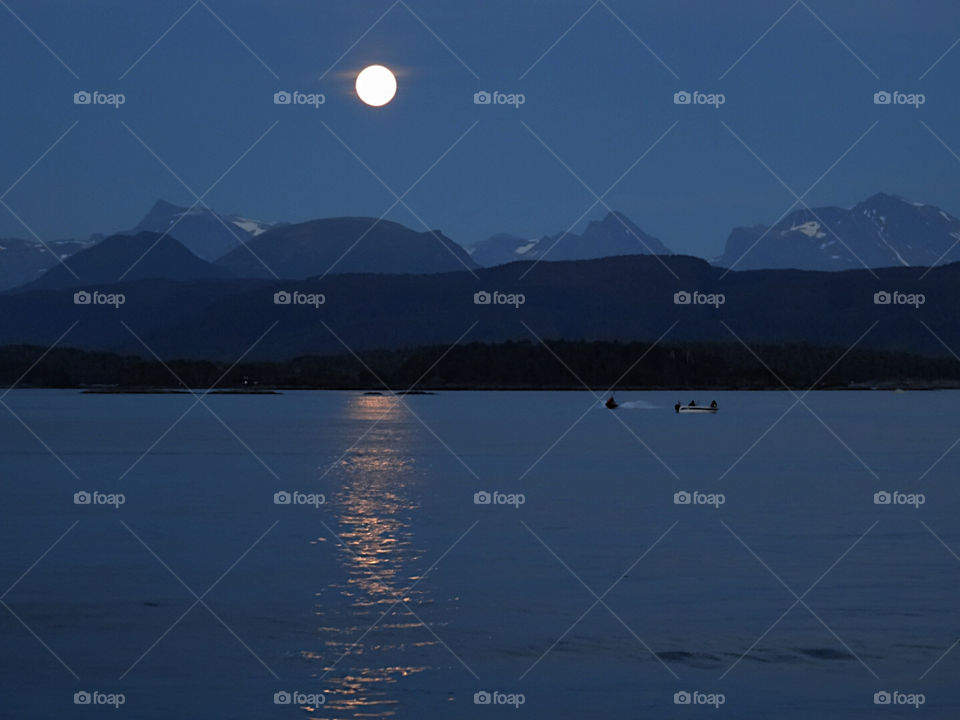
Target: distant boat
(694, 408)
(612, 404)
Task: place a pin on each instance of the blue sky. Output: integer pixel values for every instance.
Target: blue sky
(596, 102)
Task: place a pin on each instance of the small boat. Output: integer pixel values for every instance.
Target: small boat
(692, 407)
(612, 404)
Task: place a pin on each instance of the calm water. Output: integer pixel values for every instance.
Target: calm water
(399, 596)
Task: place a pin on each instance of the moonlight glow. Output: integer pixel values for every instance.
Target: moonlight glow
(376, 85)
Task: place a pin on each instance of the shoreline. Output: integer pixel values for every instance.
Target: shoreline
(434, 390)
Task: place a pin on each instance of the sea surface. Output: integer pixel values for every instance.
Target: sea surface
(388, 587)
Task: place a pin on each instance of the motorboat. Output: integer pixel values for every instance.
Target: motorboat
(612, 404)
(692, 407)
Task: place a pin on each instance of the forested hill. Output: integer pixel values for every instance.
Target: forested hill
(510, 365)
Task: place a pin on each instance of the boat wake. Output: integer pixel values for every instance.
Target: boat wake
(637, 405)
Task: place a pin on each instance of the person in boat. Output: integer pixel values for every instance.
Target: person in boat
(713, 404)
(692, 404)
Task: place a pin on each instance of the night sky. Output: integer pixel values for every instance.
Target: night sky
(599, 79)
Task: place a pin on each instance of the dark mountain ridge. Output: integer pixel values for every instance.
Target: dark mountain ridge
(345, 245)
(628, 298)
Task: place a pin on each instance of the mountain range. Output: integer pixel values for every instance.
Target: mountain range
(344, 245)
(203, 232)
(629, 298)
(882, 231)
(128, 257)
(23, 261)
(614, 235)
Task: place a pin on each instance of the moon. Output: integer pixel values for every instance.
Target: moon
(376, 85)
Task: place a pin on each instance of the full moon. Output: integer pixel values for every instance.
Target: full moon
(376, 85)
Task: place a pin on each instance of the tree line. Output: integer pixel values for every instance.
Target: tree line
(560, 364)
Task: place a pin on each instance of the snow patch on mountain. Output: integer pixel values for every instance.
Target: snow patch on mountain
(254, 227)
(524, 249)
(810, 229)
